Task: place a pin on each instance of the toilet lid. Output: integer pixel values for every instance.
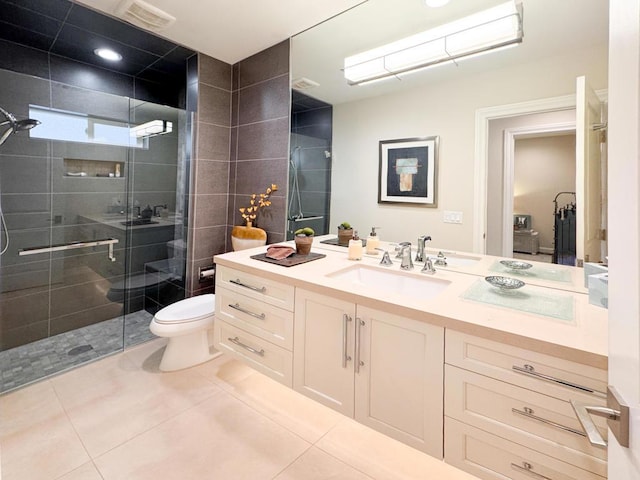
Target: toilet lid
(188, 310)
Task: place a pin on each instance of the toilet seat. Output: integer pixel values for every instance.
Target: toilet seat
(188, 310)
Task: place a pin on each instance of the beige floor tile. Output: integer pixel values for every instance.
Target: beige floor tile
(38, 440)
(87, 471)
(221, 438)
(382, 457)
(225, 371)
(315, 464)
(112, 401)
(286, 407)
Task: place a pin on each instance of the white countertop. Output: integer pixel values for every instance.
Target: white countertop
(584, 339)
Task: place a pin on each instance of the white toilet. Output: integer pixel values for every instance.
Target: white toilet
(185, 324)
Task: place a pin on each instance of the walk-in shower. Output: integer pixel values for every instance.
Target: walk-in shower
(95, 214)
(309, 165)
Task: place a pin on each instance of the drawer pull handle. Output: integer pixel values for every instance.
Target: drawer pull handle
(260, 316)
(528, 469)
(345, 327)
(530, 370)
(529, 413)
(237, 341)
(250, 287)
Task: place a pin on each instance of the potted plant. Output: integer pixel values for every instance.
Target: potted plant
(345, 233)
(248, 236)
(304, 239)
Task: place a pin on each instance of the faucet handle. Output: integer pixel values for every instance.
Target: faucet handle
(428, 267)
(386, 260)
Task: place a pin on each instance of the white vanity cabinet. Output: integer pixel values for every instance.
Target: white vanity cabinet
(507, 412)
(254, 322)
(382, 369)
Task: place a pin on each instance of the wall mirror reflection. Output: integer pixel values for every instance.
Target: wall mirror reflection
(499, 115)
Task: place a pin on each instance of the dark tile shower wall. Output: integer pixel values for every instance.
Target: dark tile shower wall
(39, 297)
(260, 137)
(311, 141)
(210, 165)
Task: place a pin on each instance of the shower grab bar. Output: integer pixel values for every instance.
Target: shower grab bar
(71, 246)
(305, 219)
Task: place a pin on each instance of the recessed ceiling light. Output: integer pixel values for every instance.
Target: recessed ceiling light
(436, 3)
(108, 54)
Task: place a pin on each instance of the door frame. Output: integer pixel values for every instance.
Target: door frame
(509, 157)
(481, 158)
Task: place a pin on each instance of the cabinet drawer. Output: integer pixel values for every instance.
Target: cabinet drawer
(493, 458)
(542, 373)
(273, 361)
(254, 286)
(545, 424)
(256, 317)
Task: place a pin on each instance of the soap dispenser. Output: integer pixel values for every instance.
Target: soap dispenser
(355, 247)
(373, 242)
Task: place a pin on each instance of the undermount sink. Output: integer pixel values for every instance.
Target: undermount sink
(392, 281)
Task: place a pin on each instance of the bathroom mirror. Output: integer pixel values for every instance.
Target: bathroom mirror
(562, 40)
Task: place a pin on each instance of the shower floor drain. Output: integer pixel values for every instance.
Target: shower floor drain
(80, 349)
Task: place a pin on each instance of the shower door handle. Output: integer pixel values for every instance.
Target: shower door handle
(70, 246)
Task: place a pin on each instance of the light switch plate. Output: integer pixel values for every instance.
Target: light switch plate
(452, 217)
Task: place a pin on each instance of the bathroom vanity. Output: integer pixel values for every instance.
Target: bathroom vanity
(434, 361)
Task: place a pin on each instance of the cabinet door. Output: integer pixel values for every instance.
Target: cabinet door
(399, 378)
(324, 349)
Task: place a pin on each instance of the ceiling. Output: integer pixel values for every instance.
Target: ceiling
(234, 30)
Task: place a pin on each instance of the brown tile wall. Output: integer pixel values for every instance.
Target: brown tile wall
(261, 105)
(242, 146)
(210, 168)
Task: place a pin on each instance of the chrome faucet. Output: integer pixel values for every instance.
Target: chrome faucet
(405, 253)
(420, 257)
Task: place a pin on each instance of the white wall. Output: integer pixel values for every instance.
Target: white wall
(544, 167)
(447, 110)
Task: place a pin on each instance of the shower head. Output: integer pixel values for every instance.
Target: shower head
(15, 125)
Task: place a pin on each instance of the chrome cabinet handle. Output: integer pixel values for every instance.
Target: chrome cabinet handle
(260, 316)
(529, 413)
(358, 362)
(527, 468)
(530, 370)
(250, 287)
(345, 327)
(237, 341)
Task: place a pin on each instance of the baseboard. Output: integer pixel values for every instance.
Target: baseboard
(547, 250)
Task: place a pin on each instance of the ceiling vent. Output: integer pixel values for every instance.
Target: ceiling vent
(303, 84)
(145, 15)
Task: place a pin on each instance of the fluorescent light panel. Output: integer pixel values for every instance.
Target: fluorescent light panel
(149, 129)
(490, 29)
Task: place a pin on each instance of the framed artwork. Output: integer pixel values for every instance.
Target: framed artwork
(407, 171)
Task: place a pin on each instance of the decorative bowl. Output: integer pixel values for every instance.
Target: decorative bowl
(515, 264)
(504, 283)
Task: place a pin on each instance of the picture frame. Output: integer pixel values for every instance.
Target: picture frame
(408, 171)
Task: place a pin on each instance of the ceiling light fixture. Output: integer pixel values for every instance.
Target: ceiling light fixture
(108, 54)
(481, 32)
(152, 128)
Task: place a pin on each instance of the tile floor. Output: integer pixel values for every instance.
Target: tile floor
(120, 418)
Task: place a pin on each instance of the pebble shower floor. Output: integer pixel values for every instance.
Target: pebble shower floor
(29, 363)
